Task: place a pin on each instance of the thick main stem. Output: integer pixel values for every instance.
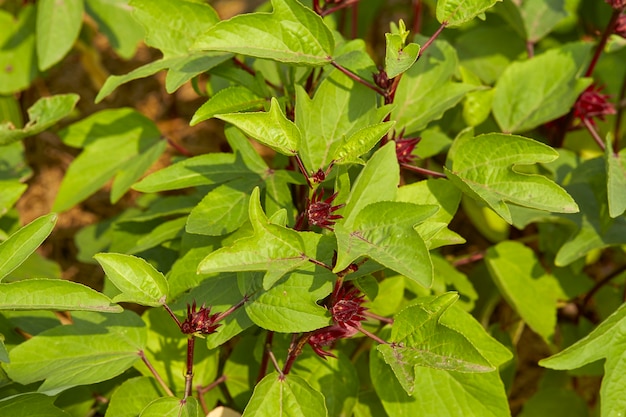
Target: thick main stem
(189, 374)
(610, 27)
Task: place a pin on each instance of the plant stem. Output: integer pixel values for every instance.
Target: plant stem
(469, 259)
(372, 336)
(417, 16)
(181, 150)
(530, 49)
(189, 374)
(203, 390)
(154, 372)
(172, 315)
(320, 263)
(433, 37)
(610, 27)
(295, 349)
(252, 72)
(618, 117)
(343, 5)
(594, 133)
(601, 284)
(355, 20)
(382, 319)
(358, 79)
(268, 345)
(228, 312)
(281, 375)
(303, 170)
(422, 171)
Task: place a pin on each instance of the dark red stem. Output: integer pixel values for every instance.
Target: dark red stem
(610, 28)
(172, 315)
(154, 372)
(189, 374)
(181, 150)
(264, 361)
(619, 116)
(422, 171)
(433, 37)
(358, 79)
(594, 133)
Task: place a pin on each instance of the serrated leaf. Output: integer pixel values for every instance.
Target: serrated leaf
(456, 12)
(289, 396)
(292, 33)
(17, 51)
(116, 23)
(540, 96)
(173, 26)
(44, 113)
(21, 244)
(53, 294)
(484, 168)
(58, 25)
(271, 248)
(94, 348)
(138, 281)
(384, 232)
(118, 143)
(525, 285)
(398, 56)
(230, 99)
(426, 89)
(616, 181)
(270, 128)
(32, 404)
(172, 407)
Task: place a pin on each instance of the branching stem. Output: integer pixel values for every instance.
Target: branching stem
(154, 372)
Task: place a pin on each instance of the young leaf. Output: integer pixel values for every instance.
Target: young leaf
(21, 244)
(616, 180)
(58, 25)
(605, 341)
(525, 285)
(271, 128)
(384, 232)
(231, 99)
(456, 12)
(120, 143)
(43, 114)
(539, 95)
(481, 167)
(172, 407)
(292, 33)
(138, 281)
(53, 294)
(289, 396)
(94, 348)
(271, 248)
(399, 57)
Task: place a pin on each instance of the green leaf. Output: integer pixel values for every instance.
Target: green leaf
(18, 60)
(94, 348)
(231, 99)
(456, 12)
(292, 33)
(173, 26)
(289, 396)
(132, 396)
(361, 142)
(31, 404)
(116, 23)
(605, 341)
(120, 143)
(540, 17)
(419, 340)
(223, 210)
(11, 193)
(172, 407)
(58, 25)
(271, 128)
(44, 113)
(540, 96)
(426, 91)
(616, 181)
(271, 248)
(399, 57)
(484, 167)
(138, 281)
(164, 232)
(53, 294)
(384, 232)
(525, 285)
(21, 244)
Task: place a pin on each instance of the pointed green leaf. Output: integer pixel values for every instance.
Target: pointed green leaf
(484, 168)
(132, 396)
(616, 181)
(384, 232)
(116, 23)
(525, 285)
(138, 281)
(289, 396)
(426, 91)
(398, 56)
(271, 248)
(173, 26)
(30, 404)
(540, 17)
(53, 294)
(21, 244)
(58, 25)
(540, 96)
(231, 99)
(456, 12)
(118, 143)
(292, 33)
(11, 193)
(164, 232)
(172, 407)
(18, 66)
(361, 142)
(271, 128)
(43, 114)
(94, 348)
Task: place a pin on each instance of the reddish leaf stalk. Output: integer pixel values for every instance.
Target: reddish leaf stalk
(203, 390)
(417, 16)
(600, 284)
(422, 171)
(619, 116)
(154, 372)
(180, 149)
(610, 27)
(358, 79)
(433, 37)
(172, 315)
(252, 72)
(372, 336)
(334, 9)
(265, 359)
(189, 374)
(594, 133)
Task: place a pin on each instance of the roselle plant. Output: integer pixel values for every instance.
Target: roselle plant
(389, 226)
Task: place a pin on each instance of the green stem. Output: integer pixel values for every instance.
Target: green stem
(154, 372)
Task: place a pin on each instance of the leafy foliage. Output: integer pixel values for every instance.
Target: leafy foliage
(381, 225)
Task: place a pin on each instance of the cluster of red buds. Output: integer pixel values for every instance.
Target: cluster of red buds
(199, 322)
(617, 4)
(592, 104)
(320, 211)
(405, 147)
